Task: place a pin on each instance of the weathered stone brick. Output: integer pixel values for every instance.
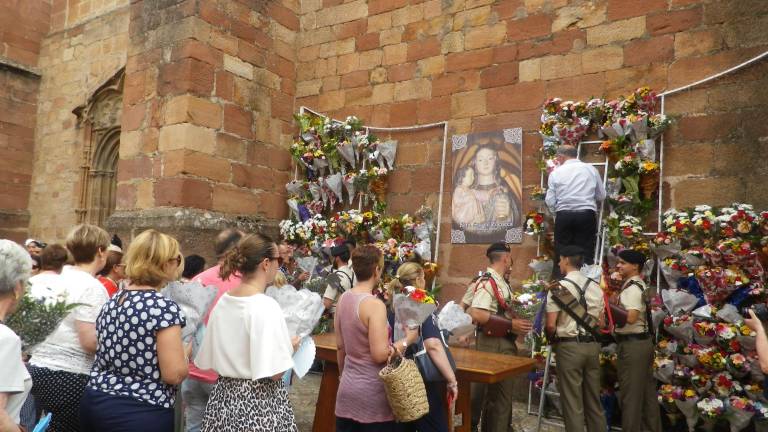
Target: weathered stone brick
(674, 21)
(238, 67)
(621, 9)
(379, 22)
(407, 15)
(452, 42)
(412, 89)
(380, 6)
(401, 72)
(560, 66)
(378, 75)
(395, 54)
(580, 15)
(471, 18)
(422, 49)
(187, 136)
(391, 36)
(253, 177)
(342, 13)
(238, 121)
(716, 191)
(466, 60)
(517, 97)
(183, 192)
(434, 110)
(455, 83)
(499, 75)
(623, 30)
(230, 147)
(469, 104)
(367, 42)
(431, 66)
(190, 48)
(331, 100)
(186, 76)
(486, 36)
(350, 29)
(234, 200)
(371, 59)
(657, 49)
(190, 109)
(357, 96)
(191, 163)
(403, 113)
(383, 93)
(132, 119)
(602, 59)
(348, 63)
(354, 79)
(697, 42)
(530, 27)
(581, 87)
(530, 70)
(283, 15)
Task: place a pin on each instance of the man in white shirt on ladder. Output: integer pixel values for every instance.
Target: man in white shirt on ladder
(574, 193)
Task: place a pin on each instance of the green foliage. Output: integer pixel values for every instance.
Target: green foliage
(33, 321)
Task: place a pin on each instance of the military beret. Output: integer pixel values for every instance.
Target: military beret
(632, 256)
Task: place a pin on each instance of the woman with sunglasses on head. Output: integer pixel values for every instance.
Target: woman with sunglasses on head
(247, 343)
(141, 359)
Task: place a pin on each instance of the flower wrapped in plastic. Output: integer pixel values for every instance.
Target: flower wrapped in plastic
(740, 411)
(453, 319)
(526, 304)
(195, 300)
(663, 369)
(686, 400)
(40, 311)
(347, 150)
(658, 313)
(754, 391)
(756, 373)
(711, 410)
(680, 326)
(724, 385)
(534, 223)
(664, 245)
(761, 416)
(714, 284)
(726, 333)
(666, 347)
(701, 381)
(334, 183)
(387, 151)
(704, 332)
(738, 365)
(316, 190)
(307, 264)
(686, 354)
(711, 358)
(673, 268)
(302, 308)
(677, 301)
(746, 337)
(666, 396)
(412, 308)
(681, 376)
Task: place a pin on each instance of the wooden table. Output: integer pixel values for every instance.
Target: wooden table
(471, 366)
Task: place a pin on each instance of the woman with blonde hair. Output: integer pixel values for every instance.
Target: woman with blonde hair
(60, 365)
(141, 359)
(410, 275)
(247, 343)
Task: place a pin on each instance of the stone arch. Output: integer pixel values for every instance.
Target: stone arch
(99, 121)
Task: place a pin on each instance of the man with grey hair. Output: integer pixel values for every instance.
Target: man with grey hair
(574, 192)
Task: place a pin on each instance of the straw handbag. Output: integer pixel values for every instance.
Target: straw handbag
(405, 389)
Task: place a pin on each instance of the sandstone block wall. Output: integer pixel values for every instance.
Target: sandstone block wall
(486, 65)
(86, 45)
(23, 24)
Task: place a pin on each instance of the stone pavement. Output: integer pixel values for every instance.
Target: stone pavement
(303, 395)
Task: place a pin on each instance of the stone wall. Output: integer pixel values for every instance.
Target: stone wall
(23, 24)
(487, 65)
(87, 45)
(207, 115)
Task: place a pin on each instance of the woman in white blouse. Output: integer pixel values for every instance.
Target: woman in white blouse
(60, 365)
(247, 343)
(15, 383)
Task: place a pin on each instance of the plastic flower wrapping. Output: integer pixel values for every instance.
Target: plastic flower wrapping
(453, 319)
(39, 313)
(194, 299)
(411, 309)
(302, 309)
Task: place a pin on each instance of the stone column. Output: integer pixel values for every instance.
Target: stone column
(207, 118)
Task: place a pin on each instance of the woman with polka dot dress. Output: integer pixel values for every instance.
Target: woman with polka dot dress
(141, 359)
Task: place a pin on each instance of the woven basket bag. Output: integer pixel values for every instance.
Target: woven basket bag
(405, 389)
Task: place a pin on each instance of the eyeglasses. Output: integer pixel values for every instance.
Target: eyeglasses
(279, 259)
(177, 259)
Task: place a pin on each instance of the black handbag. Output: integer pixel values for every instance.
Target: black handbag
(426, 366)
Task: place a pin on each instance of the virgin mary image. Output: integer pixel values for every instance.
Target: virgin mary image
(486, 197)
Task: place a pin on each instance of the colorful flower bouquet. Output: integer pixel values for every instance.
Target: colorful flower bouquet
(663, 369)
(726, 334)
(664, 245)
(747, 337)
(740, 411)
(680, 326)
(686, 399)
(738, 365)
(761, 417)
(711, 410)
(724, 385)
(701, 381)
(673, 268)
(535, 223)
(411, 307)
(704, 332)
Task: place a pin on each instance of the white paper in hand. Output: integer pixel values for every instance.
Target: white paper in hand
(304, 356)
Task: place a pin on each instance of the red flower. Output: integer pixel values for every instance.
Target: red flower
(418, 295)
(706, 224)
(627, 231)
(539, 218)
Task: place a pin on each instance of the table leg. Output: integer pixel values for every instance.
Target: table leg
(325, 420)
(463, 408)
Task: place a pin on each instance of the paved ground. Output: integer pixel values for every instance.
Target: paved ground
(304, 397)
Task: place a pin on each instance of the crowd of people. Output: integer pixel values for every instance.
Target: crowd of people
(117, 361)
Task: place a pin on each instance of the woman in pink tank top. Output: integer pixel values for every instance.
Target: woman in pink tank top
(362, 339)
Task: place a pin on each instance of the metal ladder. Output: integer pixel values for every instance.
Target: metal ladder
(599, 251)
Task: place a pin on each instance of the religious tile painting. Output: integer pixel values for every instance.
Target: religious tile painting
(487, 187)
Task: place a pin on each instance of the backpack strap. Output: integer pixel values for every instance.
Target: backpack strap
(576, 308)
(648, 318)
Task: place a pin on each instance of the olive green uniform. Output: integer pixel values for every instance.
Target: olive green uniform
(495, 400)
(578, 362)
(639, 407)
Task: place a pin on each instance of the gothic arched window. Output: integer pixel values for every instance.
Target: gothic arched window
(99, 119)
